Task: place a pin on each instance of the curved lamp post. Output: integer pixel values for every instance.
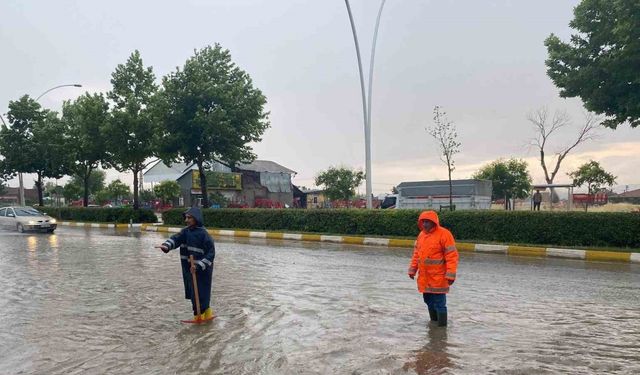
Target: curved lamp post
(22, 202)
(366, 102)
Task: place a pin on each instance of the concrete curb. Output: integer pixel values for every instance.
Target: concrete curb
(552, 252)
(588, 255)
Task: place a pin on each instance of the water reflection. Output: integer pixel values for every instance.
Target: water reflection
(433, 357)
(53, 241)
(32, 243)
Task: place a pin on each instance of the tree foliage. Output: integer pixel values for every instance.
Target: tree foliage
(510, 178)
(34, 143)
(339, 182)
(131, 133)
(600, 63)
(85, 122)
(210, 110)
(95, 183)
(167, 190)
(118, 190)
(593, 175)
(446, 136)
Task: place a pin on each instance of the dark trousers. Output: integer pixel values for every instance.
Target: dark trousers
(205, 281)
(437, 302)
(536, 206)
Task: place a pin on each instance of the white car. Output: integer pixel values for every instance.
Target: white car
(26, 218)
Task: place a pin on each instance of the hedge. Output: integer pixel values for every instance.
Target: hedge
(601, 229)
(101, 214)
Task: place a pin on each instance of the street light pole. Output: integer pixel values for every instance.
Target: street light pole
(20, 181)
(366, 102)
(57, 87)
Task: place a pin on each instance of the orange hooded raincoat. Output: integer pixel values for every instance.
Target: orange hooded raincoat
(435, 257)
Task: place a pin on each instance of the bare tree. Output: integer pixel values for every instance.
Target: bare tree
(545, 126)
(445, 134)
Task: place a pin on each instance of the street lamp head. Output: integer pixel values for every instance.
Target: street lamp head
(77, 85)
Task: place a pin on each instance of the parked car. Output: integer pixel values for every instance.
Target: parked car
(26, 218)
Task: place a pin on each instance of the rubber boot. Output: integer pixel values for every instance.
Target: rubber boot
(433, 315)
(442, 319)
(207, 314)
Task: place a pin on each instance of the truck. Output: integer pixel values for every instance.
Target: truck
(469, 194)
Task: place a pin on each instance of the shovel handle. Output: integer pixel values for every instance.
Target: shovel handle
(195, 285)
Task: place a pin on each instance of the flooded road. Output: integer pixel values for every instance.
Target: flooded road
(96, 301)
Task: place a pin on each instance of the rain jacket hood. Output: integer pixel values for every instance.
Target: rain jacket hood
(428, 215)
(196, 213)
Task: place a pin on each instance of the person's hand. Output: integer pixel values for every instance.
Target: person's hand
(164, 248)
(193, 267)
(412, 276)
(450, 281)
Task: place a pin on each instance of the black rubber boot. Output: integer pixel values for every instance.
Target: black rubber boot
(442, 319)
(433, 315)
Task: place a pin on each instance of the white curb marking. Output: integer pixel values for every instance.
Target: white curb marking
(566, 253)
(491, 248)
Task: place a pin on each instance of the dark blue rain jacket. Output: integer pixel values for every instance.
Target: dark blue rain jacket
(195, 241)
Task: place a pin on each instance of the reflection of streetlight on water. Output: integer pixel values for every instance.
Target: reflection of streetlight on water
(20, 181)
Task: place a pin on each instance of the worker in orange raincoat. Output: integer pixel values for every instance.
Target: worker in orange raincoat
(435, 260)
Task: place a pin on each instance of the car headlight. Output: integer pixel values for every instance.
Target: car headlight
(53, 221)
(31, 222)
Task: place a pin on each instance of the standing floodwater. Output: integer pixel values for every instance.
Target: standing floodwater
(98, 302)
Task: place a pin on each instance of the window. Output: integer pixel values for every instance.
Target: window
(3, 211)
(27, 212)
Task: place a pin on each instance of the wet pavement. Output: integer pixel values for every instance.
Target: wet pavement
(87, 301)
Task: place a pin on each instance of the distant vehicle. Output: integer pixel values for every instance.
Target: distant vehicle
(26, 219)
(434, 195)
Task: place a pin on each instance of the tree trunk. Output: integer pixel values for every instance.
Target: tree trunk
(85, 198)
(136, 203)
(39, 187)
(450, 191)
(203, 185)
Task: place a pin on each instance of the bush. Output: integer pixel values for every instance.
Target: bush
(602, 229)
(101, 214)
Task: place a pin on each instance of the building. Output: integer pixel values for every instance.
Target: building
(315, 198)
(11, 196)
(467, 194)
(261, 183)
(631, 196)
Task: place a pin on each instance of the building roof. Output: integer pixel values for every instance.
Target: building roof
(265, 166)
(159, 171)
(630, 194)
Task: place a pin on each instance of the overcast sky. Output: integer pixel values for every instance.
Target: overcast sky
(481, 60)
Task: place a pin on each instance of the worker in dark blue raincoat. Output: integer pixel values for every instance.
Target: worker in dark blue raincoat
(195, 240)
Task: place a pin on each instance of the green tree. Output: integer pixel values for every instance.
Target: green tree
(71, 191)
(147, 195)
(131, 132)
(215, 197)
(95, 182)
(118, 190)
(510, 179)
(210, 110)
(85, 121)
(446, 136)
(339, 182)
(600, 63)
(102, 197)
(594, 176)
(34, 143)
(167, 191)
